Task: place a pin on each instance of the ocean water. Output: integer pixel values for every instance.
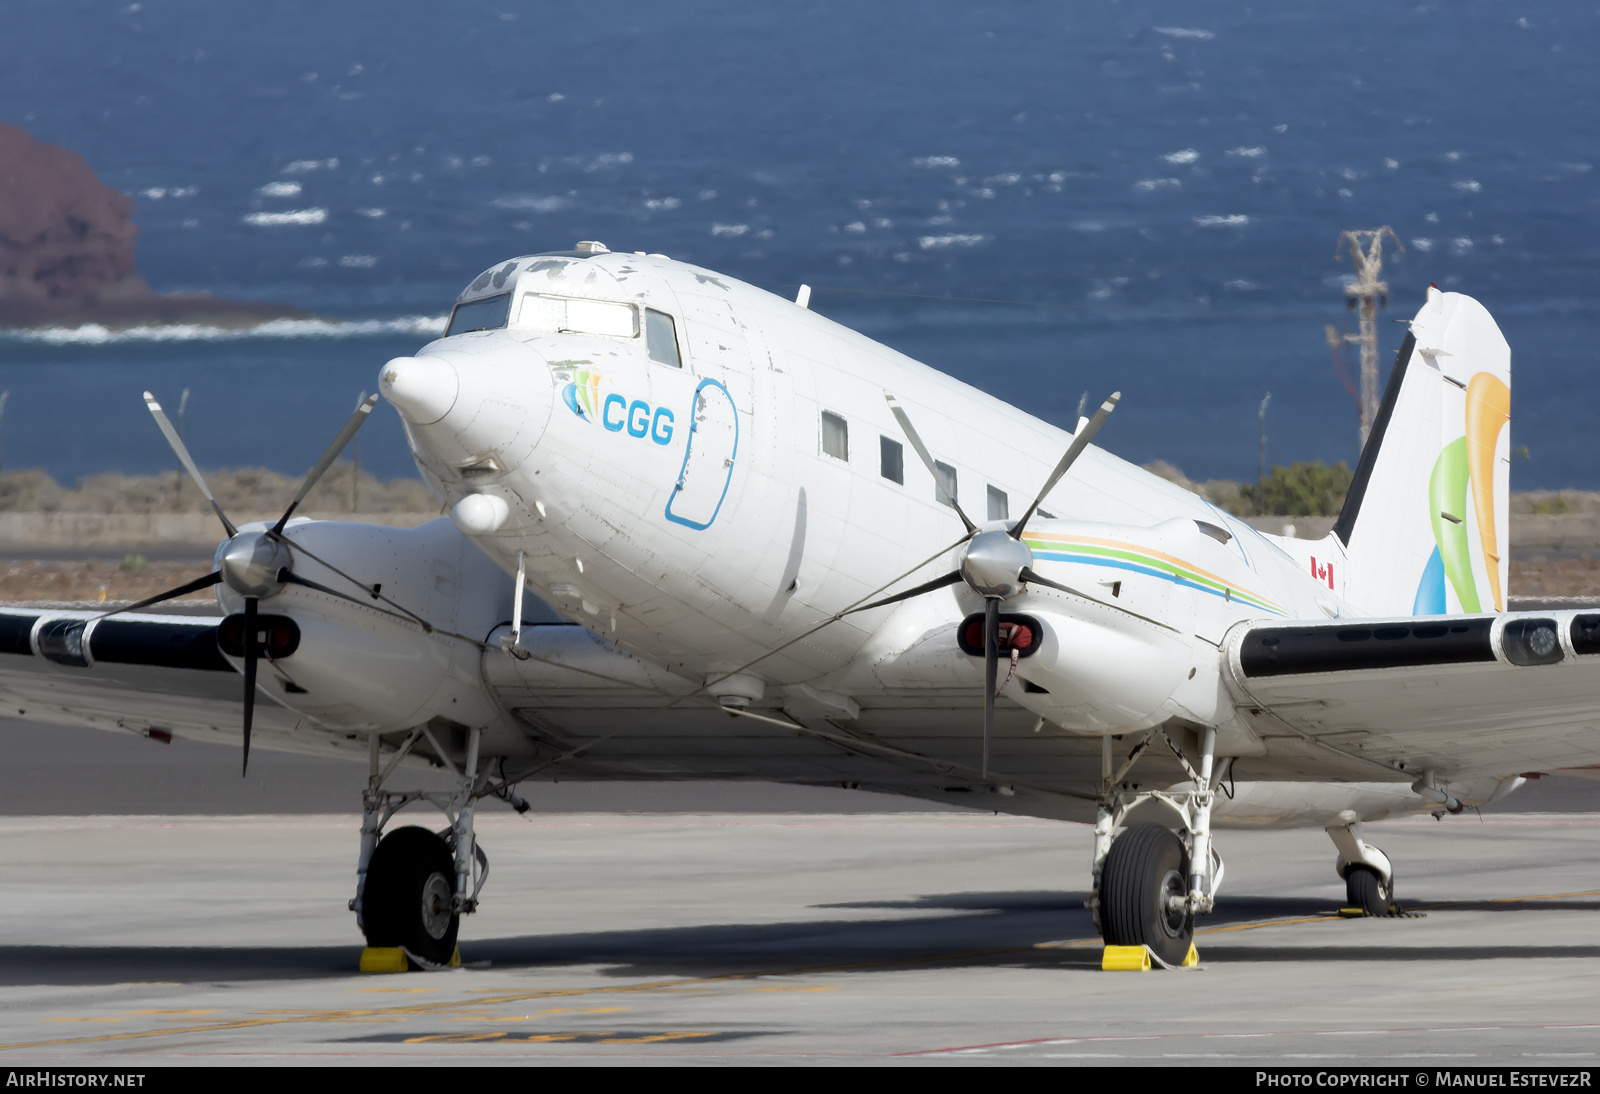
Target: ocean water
(1153, 190)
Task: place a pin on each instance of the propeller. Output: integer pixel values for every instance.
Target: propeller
(995, 563)
(256, 564)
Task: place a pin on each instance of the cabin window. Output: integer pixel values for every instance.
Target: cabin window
(945, 489)
(891, 460)
(661, 338)
(487, 314)
(835, 436)
(999, 505)
(567, 315)
(1045, 515)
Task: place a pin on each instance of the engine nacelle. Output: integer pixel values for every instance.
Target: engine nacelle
(369, 665)
(1108, 675)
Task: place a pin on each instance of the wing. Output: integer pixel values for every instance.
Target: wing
(1464, 695)
(149, 674)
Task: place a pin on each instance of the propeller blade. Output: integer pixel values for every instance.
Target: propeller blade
(916, 443)
(951, 578)
(328, 457)
(991, 670)
(250, 604)
(182, 590)
(183, 456)
(1074, 450)
(1027, 575)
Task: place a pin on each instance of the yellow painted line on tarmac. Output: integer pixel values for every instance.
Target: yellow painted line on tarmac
(389, 991)
(278, 1018)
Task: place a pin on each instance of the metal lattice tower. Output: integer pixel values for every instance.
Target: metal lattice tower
(1367, 293)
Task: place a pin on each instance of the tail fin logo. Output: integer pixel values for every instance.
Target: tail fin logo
(1467, 464)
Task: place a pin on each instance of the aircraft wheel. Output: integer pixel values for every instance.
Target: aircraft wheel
(406, 900)
(1147, 864)
(1365, 889)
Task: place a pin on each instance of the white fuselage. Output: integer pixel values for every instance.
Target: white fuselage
(694, 515)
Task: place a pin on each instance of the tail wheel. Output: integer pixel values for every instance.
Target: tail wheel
(1365, 889)
(406, 900)
(1146, 866)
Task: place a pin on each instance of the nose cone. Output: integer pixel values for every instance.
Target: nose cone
(422, 389)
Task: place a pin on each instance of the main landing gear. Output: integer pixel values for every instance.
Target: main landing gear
(1149, 880)
(413, 885)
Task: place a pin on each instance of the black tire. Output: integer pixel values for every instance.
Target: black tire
(1147, 863)
(406, 900)
(1366, 890)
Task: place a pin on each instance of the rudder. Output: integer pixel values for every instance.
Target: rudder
(1425, 527)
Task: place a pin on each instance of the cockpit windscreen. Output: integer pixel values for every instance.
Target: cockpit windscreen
(490, 313)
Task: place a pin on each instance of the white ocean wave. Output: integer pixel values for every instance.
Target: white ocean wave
(294, 216)
(1148, 185)
(372, 214)
(609, 159)
(662, 203)
(1422, 244)
(358, 262)
(1186, 32)
(532, 203)
(300, 167)
(1467, 186)
(1460, 245)
(156, 193)
(93, 334)
(279, 190)
(936, 161)
(1235, 220)
(1185, 155)
(1249, 153)
(729, 229)
(1239, 284)
(937, 243)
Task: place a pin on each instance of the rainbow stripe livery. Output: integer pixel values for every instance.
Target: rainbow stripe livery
(1117, 554)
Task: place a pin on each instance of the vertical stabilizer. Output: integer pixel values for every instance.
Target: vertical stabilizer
(1425, 526)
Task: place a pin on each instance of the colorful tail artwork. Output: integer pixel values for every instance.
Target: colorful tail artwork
(1412, 542)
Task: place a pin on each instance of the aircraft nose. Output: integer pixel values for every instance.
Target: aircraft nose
(422, 389)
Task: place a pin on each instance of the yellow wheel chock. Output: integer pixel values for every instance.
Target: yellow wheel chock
(1138, 958)
(393, 959)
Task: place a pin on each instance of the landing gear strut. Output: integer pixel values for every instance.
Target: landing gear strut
(412, 885)
(1150, 881)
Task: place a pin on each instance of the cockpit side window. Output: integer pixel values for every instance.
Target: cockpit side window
(661, 336)
(490, 313)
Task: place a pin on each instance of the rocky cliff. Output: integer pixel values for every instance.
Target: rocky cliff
(66, 249)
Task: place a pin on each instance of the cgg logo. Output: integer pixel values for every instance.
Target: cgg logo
(637, 419)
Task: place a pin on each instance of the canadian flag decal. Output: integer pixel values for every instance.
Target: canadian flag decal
(1324, 572)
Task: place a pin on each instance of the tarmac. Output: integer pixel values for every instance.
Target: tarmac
(668, 925)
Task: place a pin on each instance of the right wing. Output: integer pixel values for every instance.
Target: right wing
(1464, 695)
